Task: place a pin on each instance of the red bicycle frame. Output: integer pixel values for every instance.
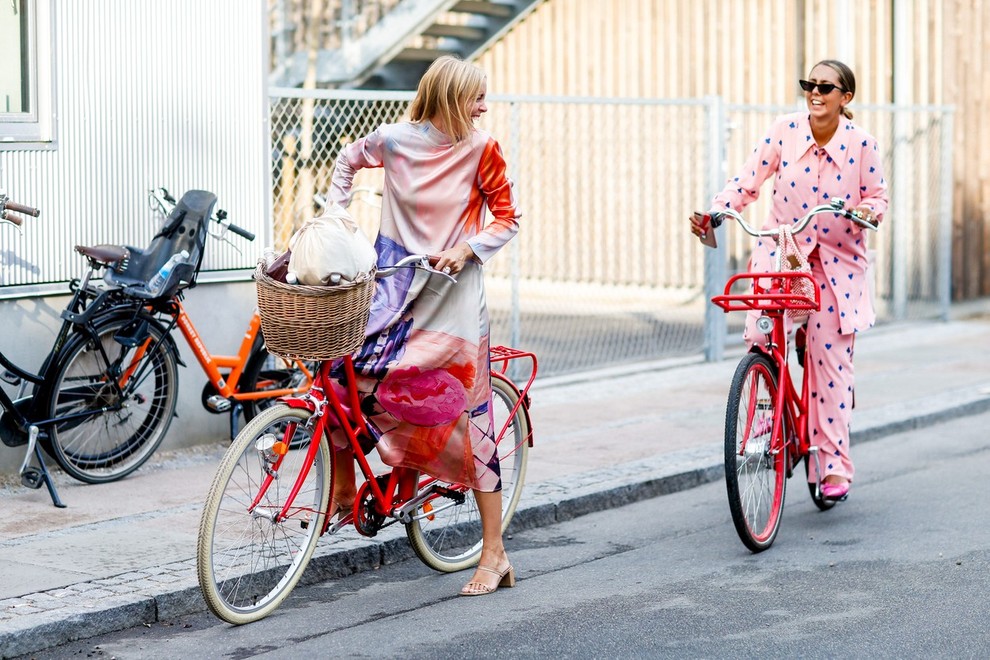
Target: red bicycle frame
(403, 483)
(772, 295)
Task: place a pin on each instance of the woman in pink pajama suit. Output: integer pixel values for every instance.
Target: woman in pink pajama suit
(814, 157)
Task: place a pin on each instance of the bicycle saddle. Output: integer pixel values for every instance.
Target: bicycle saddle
(105, 254)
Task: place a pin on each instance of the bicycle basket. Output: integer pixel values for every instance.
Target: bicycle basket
(313, 322)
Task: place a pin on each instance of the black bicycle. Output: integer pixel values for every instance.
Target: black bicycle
(105, 394)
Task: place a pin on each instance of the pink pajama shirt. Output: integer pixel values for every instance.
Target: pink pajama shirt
(806, 175)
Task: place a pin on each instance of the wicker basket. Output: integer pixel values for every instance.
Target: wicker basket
(313, 322)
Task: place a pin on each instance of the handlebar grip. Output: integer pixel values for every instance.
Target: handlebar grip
(858, 219)
(241, 232)
(25, 210)
(433, 260)
(13, 219)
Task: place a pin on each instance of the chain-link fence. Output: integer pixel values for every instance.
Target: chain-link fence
(604, 270)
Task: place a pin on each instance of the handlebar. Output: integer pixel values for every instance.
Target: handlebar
(9, 211)
(426, 261)
(240, 231)
(165, 201)
(837, 206)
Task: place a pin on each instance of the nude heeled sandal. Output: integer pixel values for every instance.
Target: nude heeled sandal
(506, 578)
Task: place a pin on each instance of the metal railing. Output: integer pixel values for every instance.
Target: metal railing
(604, 270)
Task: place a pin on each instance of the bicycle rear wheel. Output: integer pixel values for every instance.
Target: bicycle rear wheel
(248, 558)
(124, 398)
(755, 453)
(445, 535)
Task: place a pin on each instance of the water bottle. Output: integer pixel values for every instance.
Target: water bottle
(158, 281)
(290, 278)
(269, 256)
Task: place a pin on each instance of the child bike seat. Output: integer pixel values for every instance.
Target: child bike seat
(184, 229)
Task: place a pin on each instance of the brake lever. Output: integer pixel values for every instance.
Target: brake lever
(5, 221)
(221, 235)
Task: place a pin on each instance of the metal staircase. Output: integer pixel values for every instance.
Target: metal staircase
(393, 48)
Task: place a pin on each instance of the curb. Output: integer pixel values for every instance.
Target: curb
(166, 592)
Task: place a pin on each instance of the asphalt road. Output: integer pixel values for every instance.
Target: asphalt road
(900, 570)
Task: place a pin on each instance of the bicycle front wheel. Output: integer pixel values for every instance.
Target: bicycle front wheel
(755, 453)
(446, 535)
(250, 556)
(115, 401)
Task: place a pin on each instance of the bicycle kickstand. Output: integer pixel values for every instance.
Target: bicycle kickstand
(235, 416)
(33, 477)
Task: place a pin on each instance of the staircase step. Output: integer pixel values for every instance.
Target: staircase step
(421, 54)
(464, 32)
(484, 8)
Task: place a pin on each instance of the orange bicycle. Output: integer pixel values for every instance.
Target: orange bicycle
(269, 501)
(135, 344)
(766, 417)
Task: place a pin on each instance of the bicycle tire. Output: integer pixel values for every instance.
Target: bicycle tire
(755, 475)
(109, 445)
(247, 564)
(449, 540)
(264, 371)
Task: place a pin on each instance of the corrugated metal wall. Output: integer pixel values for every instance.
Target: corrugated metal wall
(754, 51)
(147, 94)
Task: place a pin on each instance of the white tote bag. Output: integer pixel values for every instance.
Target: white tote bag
(330, 249)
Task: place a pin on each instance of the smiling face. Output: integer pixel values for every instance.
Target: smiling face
(478, 106)
(826, 107)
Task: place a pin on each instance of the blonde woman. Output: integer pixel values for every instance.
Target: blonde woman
(423, 370)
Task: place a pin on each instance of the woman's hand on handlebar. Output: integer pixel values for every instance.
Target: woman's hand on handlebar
(452, 261)
(865, 214)
(703, 226)
(699, 223)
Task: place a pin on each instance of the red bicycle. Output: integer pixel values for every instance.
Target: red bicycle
(766, 418)
(269, 501)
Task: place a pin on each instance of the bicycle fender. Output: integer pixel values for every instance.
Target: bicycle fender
(524, 403)
(170, 344)
(108, 316)
(42, 392)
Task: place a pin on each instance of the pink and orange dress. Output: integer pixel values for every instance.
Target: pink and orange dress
(423, 371)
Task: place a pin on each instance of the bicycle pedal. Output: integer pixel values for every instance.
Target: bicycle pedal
(450, 493)
(218, 403)
(32, 478)
(10, 378)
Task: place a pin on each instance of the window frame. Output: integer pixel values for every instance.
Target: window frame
(34, 129)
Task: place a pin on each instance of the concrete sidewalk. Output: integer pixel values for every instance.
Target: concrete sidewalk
(123, 554)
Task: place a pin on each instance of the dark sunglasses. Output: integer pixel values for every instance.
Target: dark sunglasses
(824, 88)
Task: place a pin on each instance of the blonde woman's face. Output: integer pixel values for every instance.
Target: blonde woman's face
(478, 106)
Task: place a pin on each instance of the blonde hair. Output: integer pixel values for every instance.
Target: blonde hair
(447, 92)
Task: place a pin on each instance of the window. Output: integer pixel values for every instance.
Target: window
(25, 87)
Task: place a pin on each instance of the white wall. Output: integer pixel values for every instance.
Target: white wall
(147, 94)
